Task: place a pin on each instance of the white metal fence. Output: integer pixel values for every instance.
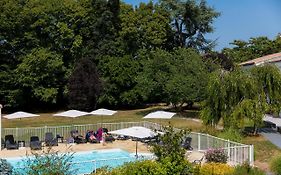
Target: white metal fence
(237, 153)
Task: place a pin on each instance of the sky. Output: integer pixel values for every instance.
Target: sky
(242, 19)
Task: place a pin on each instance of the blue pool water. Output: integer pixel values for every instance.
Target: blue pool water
(87, 162)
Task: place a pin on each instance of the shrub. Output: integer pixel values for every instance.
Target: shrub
(5, 167)
(275, 164)
(216, 169)
(247, 169)
(216, 155)
(170, 154)
(48, 163)
(146, 167)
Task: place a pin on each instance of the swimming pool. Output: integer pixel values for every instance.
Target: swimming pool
(88, 161)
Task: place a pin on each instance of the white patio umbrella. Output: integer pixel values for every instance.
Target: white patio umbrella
(160, 115)
(72, 113)
(19, 115)
(136, 131)
(103, 112)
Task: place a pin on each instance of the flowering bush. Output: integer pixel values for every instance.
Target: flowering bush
(216, 155)
(216, 169)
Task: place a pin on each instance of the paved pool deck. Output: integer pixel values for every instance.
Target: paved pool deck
(127, 145)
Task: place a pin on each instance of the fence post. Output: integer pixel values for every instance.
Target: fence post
(251, 159)
(17, 133)
(235, 152)
(199, 142)
(228, 149)
(208, 144)
(46, 127)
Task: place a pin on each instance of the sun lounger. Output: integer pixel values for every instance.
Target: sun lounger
(2, 143)
(10, 143)
(35, 143)
(109, 138)
(187, 143)
(50, 140)
(122, 137)
(77, 137)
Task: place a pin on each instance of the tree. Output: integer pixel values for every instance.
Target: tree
(251, 109)
(119, 76)
(225, 91)
(170, 154)
(215, 60)
(144, 27)
(156, 70)
(188, 78)
(254, 48)
(100, 28)
(191, 21)
(84, 86)
(41, 76)
(268, 78)
(172, 77)
(239, 95)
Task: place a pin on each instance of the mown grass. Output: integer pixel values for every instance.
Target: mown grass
(47, 119)
(264, 149)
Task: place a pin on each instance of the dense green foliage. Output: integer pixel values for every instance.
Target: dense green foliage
(191, 20)
(170, 154)
(247, 169)
(254, 48)
(148, 167)
(42, 41)
(275, 164)
(49, 163)
(231, 134)
(232, 101)
(84, 86)
(5, 167)
(173, 77)
(224, 92)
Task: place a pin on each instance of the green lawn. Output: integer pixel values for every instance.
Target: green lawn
(264, 150)
(180, 120)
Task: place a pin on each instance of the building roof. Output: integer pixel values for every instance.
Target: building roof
(276, 57)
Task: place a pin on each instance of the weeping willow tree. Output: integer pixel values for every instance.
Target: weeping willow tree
(268, 78)
(225, 91)
(240, 94)
(252, 109)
